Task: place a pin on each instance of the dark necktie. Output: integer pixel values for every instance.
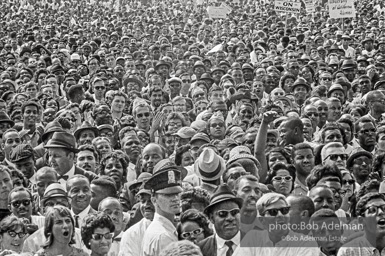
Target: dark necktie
(76, 221)
(64, 177)
(230, 251)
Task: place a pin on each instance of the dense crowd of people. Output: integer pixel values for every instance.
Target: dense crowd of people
(147, 128)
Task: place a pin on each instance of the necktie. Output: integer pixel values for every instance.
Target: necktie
(230, 251)
(76, 221)
(64, 177)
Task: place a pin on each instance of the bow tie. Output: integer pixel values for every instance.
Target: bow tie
(64, 177)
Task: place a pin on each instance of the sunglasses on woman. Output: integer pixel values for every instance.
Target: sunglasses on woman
(14, 234)
(280, 178)
(350, 182)
(196, 232)
(100, 236)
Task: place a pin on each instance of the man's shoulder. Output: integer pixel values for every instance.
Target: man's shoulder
(207, 241)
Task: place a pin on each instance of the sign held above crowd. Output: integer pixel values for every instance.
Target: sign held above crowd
(288, 6)
(341, 9)
(219, 12)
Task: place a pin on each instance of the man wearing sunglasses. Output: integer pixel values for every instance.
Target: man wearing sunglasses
(365, 134)
(360, 165)
(334, 153)
(224, 212)
(20, 204)
(273, 212)
(370, 210)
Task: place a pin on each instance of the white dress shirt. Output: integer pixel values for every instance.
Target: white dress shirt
(222, 248)
(81, 215)
(70, 173)
(131, 244)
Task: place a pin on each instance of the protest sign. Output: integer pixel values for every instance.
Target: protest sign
(217, 12)
(292, 6)
(341, 9)
(309, 6)
(229, 9)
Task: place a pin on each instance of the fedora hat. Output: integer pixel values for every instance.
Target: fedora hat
(4, 118)
(62, 140)
(162, 63)
(51, 127)
(221, 194)
(86, 126)
(144, 176)
(209, 166)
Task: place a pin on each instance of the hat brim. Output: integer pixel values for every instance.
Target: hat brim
(74, 150)
(237, 200)
(222, 167)
(170, 190)
(12, 123)
(78, 131)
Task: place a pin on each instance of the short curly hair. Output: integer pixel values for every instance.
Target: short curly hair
(116, 155)
(361, 205)
(196, 216)
(92, 222)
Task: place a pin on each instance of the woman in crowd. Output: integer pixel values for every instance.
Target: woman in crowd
(115, 166)
(193, 226)
(12, 235)
(59, 231)
(281, 178)
(97, 232)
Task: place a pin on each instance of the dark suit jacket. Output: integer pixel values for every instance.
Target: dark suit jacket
(208, 245)
(90, 175)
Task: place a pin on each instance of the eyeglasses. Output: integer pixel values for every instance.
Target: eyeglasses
(214, 125)
(225, 214)
(374, 209)
(326, 78)
(99, 88)
(367, 131)
(196, 232)
(350, 182)
(17, 203)
(312, 114)
(100, 236)
(274, 212)
(360, 161)
(281, 178)
(336, 156)
(14, 234)
(147, 114)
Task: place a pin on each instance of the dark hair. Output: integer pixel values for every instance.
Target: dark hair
(196, 216)
(18, 189)
(361, 205)
(92, 222)
(196, 195)
(281, 166)
(364, 119)
(90, 148)
(300, 146)
(49, 222)
(118, 156)
(30, 103)
(74, 91)
(368, 187)
(281, 151)
(179, 154)
(333, 126)
(107, 183)
(322, 171)
(350, 123)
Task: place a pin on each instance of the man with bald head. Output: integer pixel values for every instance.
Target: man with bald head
(151, 155)
(301, 209)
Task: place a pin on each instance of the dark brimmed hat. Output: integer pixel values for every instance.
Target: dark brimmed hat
(221, 194)
(144, 176)
(51, 127)
(63, 140)
(86, 126)
(54, 190)
(162, 63)
(4, 118)
(166, 179)
(356, 154)
(301, 81)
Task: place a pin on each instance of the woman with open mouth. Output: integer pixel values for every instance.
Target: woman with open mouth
(59, 231)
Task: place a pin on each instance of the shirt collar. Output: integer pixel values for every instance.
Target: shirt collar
(166, 222)
(221, 242)
(71, 172)
(83, 213)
